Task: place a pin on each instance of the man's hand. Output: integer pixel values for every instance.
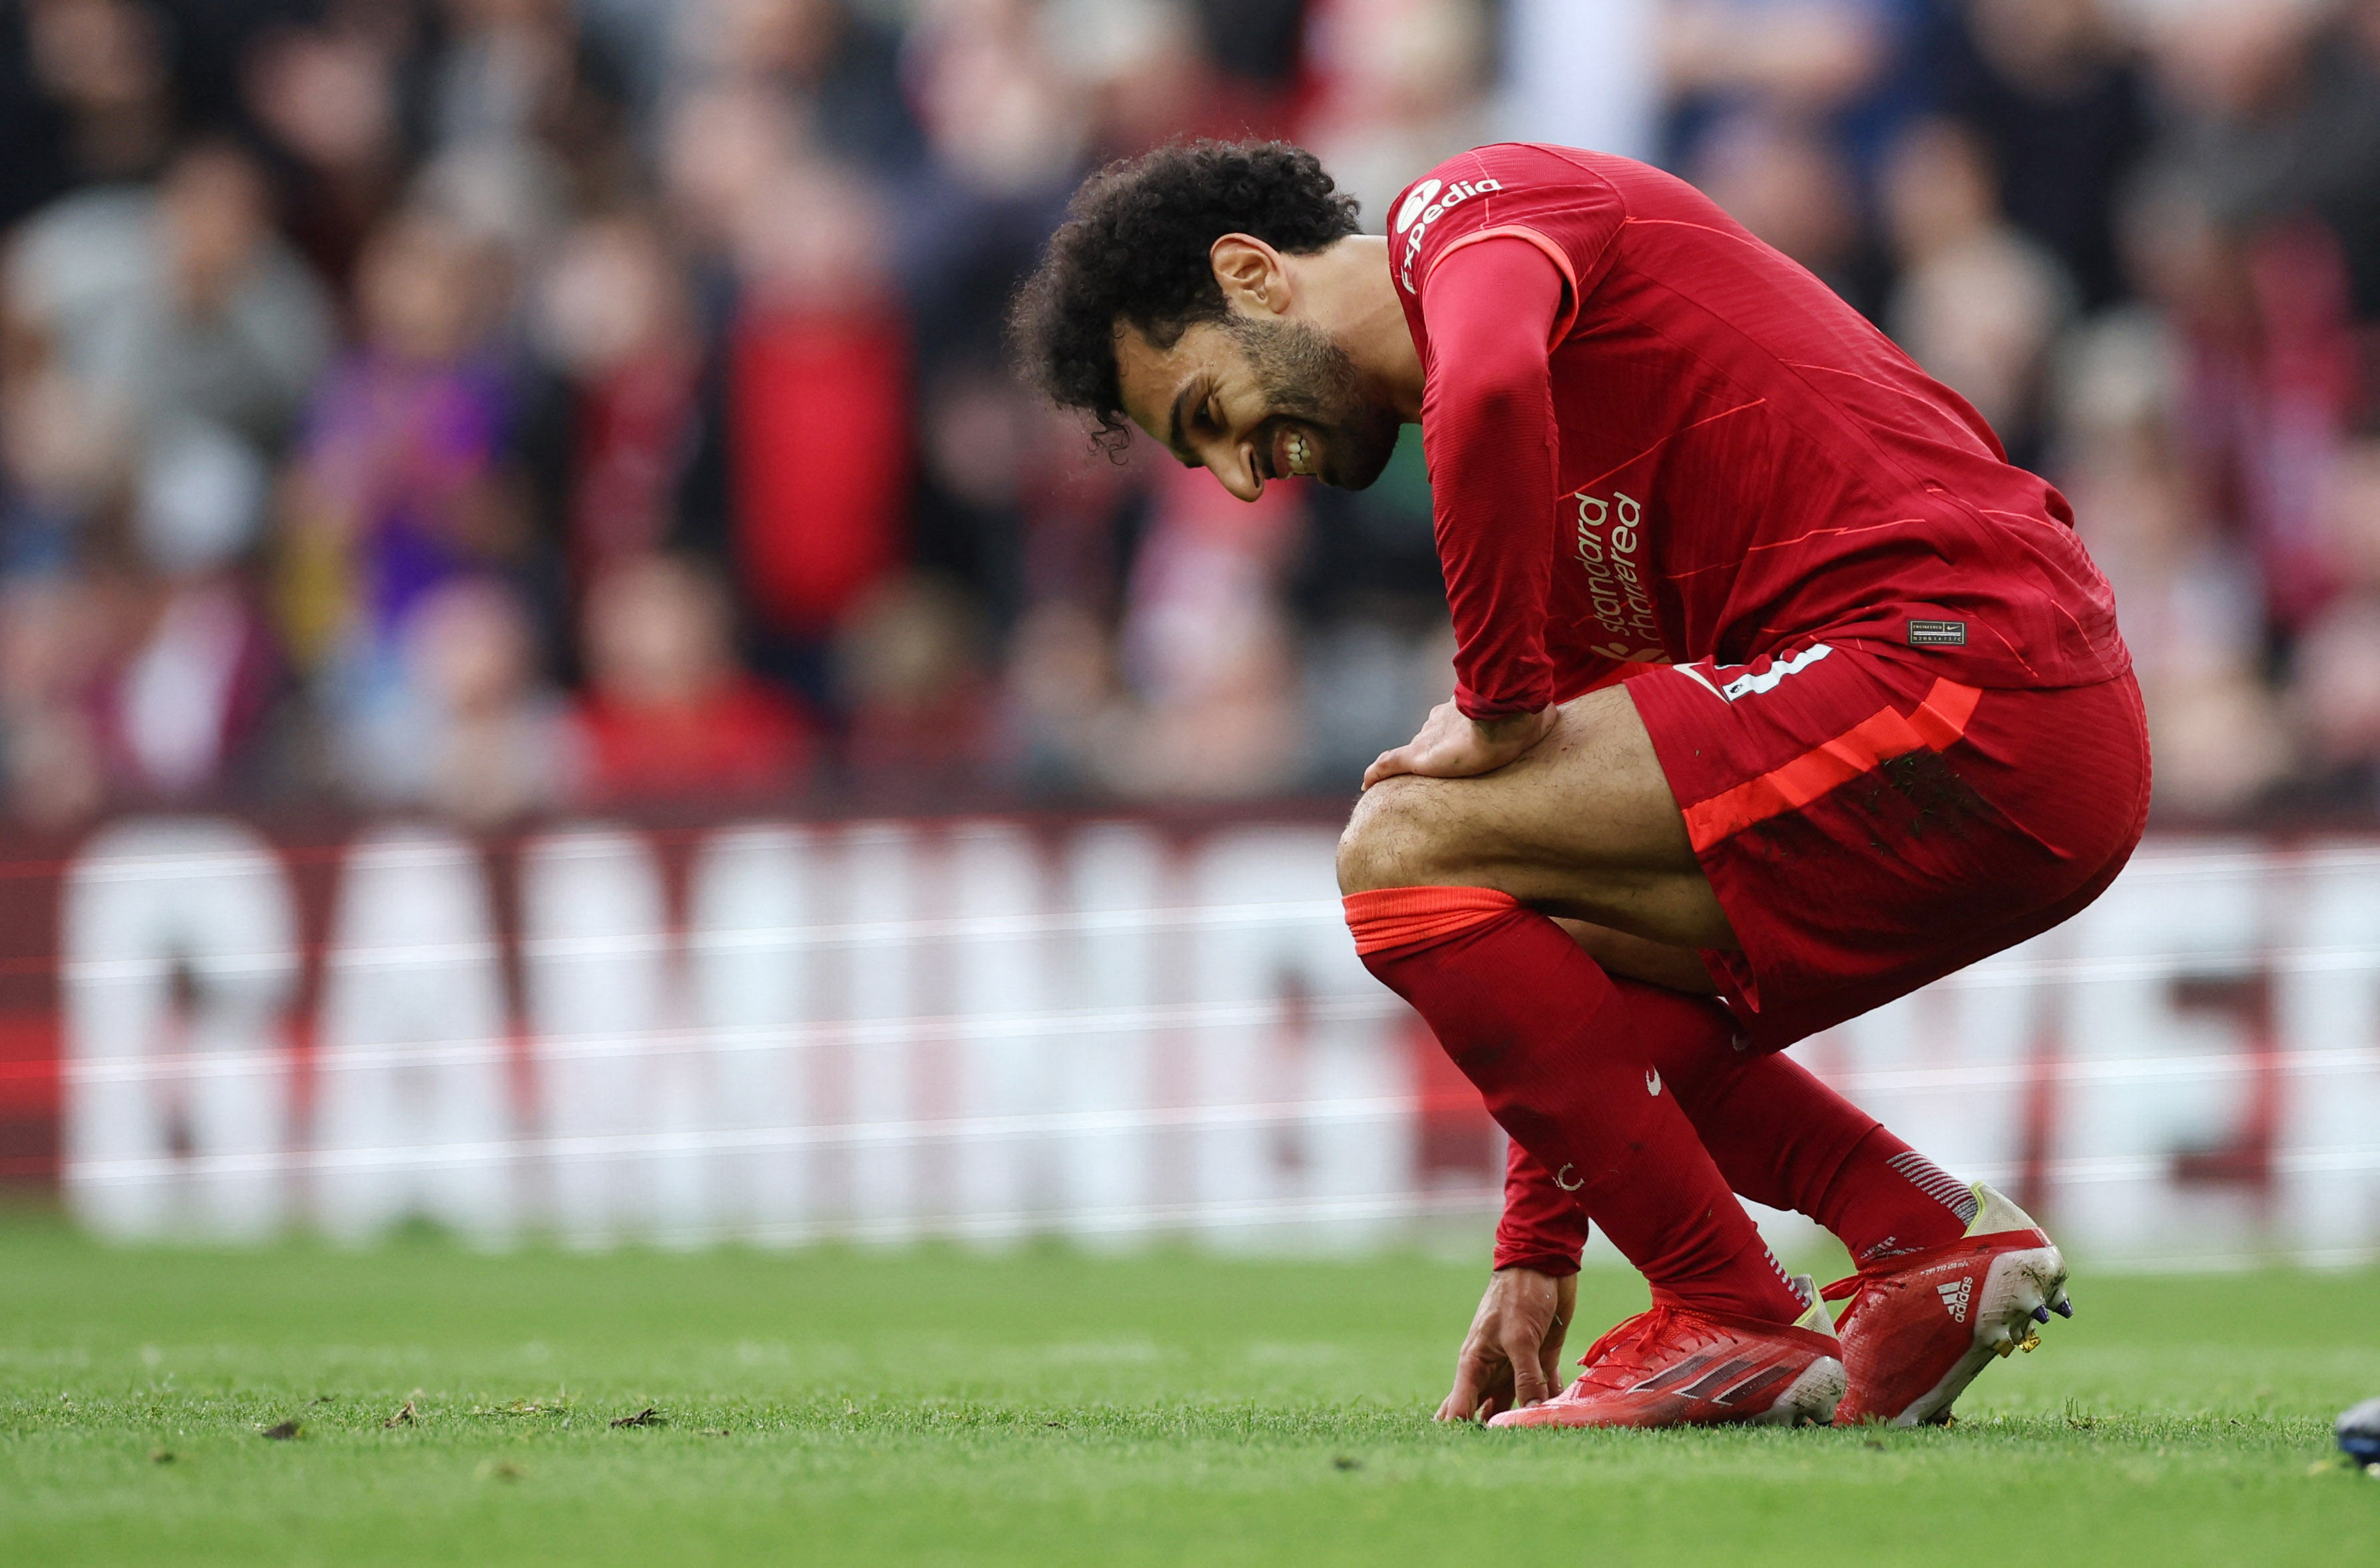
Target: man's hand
(1454, 746)
(1513, 1355)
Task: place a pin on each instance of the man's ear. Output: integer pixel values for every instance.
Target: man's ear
(1253, 276)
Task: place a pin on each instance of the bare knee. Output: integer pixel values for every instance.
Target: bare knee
(1399, 837)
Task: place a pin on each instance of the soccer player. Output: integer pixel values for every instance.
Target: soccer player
(1779, 693)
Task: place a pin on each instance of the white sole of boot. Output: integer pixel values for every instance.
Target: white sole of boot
(1810, 1399)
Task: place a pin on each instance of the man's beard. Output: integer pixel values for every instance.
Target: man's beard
(1305, 376)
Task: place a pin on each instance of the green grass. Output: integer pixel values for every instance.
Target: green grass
(1043, 1408)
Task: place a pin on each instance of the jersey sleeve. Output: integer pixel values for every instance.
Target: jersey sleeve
(1493, 253)
(1541, 1228)
(1488, 431)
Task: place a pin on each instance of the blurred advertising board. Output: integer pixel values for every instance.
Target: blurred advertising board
(1113, 1030)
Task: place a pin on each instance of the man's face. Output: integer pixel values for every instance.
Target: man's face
(1254, 398)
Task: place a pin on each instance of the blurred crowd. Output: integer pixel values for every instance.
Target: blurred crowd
(494, 407)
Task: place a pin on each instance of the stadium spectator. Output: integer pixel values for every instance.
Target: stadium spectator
(1976, 303)
(333, 100)
(183, 704)
(2188, 590)
(468, 729)
(817, 414)
(1799, 57)
(398, 480)
(51, 645)
(1000, 115)
(1062, 696)
(175, 304)
(2061, 107)
(524, 116)
(2335, 691)
(189, 686)
(1207, 647)
(837, 70)
(1398, 87)
(667, 715)
(105, 68)
(721, 147)
(909, 665)
(1144, 73)
(614, 320)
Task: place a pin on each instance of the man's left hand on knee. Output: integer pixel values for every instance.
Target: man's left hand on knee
(1453, 745)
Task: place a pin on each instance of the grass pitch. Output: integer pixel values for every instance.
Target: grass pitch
(1042, 1407)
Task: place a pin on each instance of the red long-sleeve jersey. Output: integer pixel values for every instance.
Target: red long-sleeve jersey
(1654, 438)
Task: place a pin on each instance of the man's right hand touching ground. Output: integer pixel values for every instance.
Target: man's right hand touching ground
(1513, 1355)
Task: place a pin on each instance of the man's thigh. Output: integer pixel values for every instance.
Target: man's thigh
(1583, 825)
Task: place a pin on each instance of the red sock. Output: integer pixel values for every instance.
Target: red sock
(1538, 1026)
(1787, 1140)
(1886, 1199)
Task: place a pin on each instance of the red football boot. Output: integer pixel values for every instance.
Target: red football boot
(1922, 1325)
(1680, 1366)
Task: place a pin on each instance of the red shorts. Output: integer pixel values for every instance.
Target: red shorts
(1869, 825)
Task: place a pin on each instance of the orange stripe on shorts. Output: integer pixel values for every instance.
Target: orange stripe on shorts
(1939, 720)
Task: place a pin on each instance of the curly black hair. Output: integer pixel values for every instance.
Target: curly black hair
(1134, 250)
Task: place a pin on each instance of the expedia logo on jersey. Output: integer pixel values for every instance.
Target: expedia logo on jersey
(1611, 548)
(1423, 206)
